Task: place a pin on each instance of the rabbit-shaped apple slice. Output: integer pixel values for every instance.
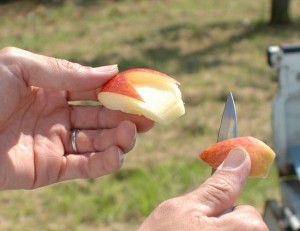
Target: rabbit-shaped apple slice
(146, 92)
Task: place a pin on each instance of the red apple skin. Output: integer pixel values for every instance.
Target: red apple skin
(141, 71)
(119, 84)
(261, 155)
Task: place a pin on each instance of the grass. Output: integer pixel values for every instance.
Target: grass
(211, 47)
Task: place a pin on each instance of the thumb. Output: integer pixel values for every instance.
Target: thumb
(47, 72)
(222, 189)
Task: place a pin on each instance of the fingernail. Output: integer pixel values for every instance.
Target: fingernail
(235, 158)
(108, 68)
(121, 157)
(134, 138)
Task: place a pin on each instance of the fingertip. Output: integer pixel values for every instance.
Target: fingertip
(113, 160)
(237, 158)
(236, 167)
(104, 163)
(126, 135)
(144, 124)
(107, 69)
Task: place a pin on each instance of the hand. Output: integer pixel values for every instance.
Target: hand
(201, 209)
(36, 122)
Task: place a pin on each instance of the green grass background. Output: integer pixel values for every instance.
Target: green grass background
(211, 47)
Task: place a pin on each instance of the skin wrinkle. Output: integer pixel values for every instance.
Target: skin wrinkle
(84, 169)
(253, 224)
(96, 142)
(210, 222)
(35, 177)
(89, 166)
(60, 164)
(23, 150)
(20, 131)
(70, 66)
(115, 164)
(62, 129)
(68, 96)
(72, 117)
(222, 186)
(105, 164)
(48, 148)
(62, 167)
(13, 171)
(55, 155)
(39, 115)
(122, 138)
(100, 118)
(11, 60)
(61, 64)
(102, 135)
(8, 102)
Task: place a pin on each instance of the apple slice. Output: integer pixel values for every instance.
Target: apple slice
(146, 92)
(261, 155)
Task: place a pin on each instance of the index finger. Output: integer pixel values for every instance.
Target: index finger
(242, 216)
(47, 72)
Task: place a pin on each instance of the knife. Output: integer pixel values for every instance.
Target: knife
(228, 127)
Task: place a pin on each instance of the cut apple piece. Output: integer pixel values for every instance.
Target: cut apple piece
(146, 92)
(261, 155)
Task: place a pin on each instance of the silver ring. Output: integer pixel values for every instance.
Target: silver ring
(73, 140)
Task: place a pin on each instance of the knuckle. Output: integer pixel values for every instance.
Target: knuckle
(9, 52)
(260, 226)
(111, 162)
(11, 60)
(251, 219)
(256, 225)
(219, 189)
(169, 205)
(221, 184)
(111, 167)
(62, 64)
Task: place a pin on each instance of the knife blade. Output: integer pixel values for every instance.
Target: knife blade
(228, 126)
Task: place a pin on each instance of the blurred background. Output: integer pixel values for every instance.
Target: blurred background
(211, 47)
